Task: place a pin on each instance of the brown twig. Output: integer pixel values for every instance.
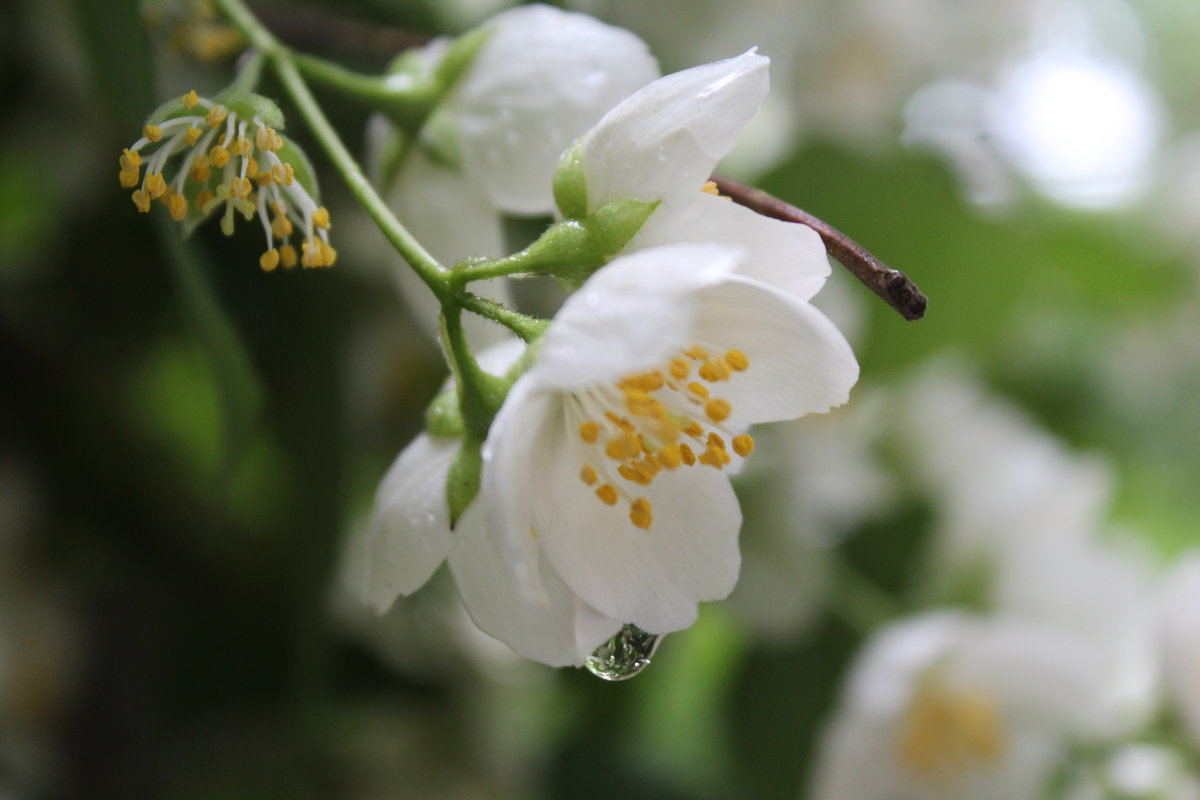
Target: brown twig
(892, 285)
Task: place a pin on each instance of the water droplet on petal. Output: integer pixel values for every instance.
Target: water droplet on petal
(624, 655)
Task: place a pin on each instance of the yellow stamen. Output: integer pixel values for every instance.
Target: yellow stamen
(607, 494)
(152, 132)
(155, 186)
(685, 452)
(192, 135)
(623, 447)
(696, 353)
(710, 187)
(269, 260)
(203, 199)
(216, 116)
(698, 389)
(190, 100)
(281, 227)
(218, 156)
(743, 445)
(641, 513)
(130, 160)
(142, 200)
(680, 368)
(283, 174)
(320, 218)
(240, 187)
(178, 207)
(589, 432)
(671, 456)
(588, 475)
(737, 360)
(241, 147)
(328, 254)
(717, 409)
(287, 256)
(129, 178)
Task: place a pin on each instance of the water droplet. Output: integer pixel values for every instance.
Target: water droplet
(624, 655)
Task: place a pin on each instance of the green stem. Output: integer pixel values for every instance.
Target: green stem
(424, 264)
(528, 328)
(480, 393)
(409, 107)
(248, 76)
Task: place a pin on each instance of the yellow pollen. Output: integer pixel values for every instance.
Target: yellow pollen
(671, 456)
(178, 207)
(685, 452)
(241, 147)
(698, 389)
(240, 187)
(283, 174)
(269, 260)
(218, 156)
(623, 447)
(251, 168)
(328, 254)
(694, 429)
(743, 445)
(634, 475)
(607, 494)
(717, 409)
(281, 226)
(641, 513)
(130, 160)
(263, 178)
(152, 132)
(190, 100)
(715, 369)
(320, 218)
(945, 733)
(192, 135)
(589, 432)
(203, 199)
(262, 138)
(737, 360)
(155, 186)
(588, 475)
(714, 457)
(680, 368)
(620, 422)
(715, 440)
(129, 178)
(278, 206)
(141, 200)
(696, 353)
(710, 187)
(287, 256)
(216, 116)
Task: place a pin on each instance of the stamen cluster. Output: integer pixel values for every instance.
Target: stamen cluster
(233, 160)
(644, 427)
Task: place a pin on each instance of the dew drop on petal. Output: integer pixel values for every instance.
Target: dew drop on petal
(624, 655)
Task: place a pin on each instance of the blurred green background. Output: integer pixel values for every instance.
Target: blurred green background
(189, 444)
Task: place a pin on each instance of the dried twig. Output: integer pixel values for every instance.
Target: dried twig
(890, 284)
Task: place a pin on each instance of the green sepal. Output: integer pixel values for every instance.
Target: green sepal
(462, 482)
(248, 105)
(459, 57)
(439, 138)
(443, 417)
(615, 222)
(570, 185)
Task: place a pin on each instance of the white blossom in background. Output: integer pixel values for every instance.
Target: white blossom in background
(1136, 771)
(948, 704)
(662, 144)
(1020, 521)
(1179, 632)
(605, 496)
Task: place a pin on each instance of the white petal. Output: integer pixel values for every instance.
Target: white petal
(539, 82)
(653, 578)
(799, 362)
(787, 255)
(410, 532)
(665, 140)
(559, 629)
(631, 314)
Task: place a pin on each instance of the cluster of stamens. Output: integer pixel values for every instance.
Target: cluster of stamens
(947, 732)
(233, 162)
(662, 419)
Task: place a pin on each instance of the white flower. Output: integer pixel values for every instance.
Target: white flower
(540, 80)
(951, 705)
(605, 466)
(662, 144)
(605, 498)
(1179, 628)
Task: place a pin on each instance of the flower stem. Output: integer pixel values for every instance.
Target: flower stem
(528, 328)
(480, 393)
(892, 285)
(424, 264)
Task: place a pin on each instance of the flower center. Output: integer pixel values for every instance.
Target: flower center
(662, 419)
(231, 161)
(946, 733)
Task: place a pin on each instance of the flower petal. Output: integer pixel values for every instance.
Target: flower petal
(541, 80)
(653, 578)
(558, 629)
(630, 314)
(664, 140)
(409, 534)
(799, 362)
(787, 255)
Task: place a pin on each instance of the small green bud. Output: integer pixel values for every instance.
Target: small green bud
(248, 105)
(462, 482)
(443, 416)
(570, 185)
(459, 57)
